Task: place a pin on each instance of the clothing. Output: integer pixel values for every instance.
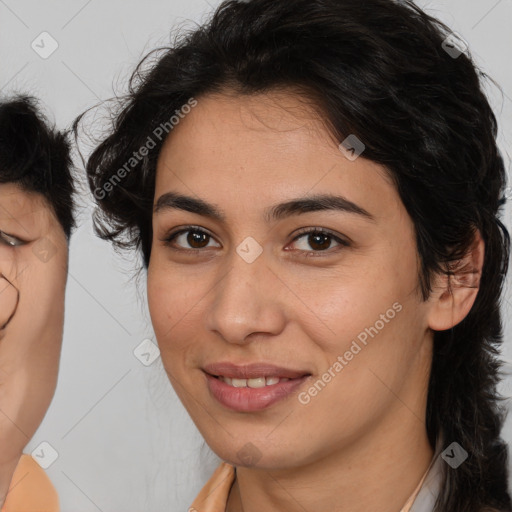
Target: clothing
(30, 490)
(213, 496)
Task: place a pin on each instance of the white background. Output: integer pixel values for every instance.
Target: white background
(124, 441)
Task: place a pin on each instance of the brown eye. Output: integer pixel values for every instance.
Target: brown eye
(319, 240)
(195, 238)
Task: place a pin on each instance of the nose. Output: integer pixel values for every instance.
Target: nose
(9, 297)
(246, 302)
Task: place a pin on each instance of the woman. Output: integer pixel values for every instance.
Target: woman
(315, 188)
(36, 220)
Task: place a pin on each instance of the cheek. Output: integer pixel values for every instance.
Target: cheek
(374, 330)
(367, 363)
(169, 306)
(8, 303)
(161, 301)
(348, 307)
(43, 289)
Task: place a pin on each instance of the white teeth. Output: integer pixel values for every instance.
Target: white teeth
(239, 383)
(258, 382)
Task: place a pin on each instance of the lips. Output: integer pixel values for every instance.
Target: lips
(252, 371)
(247, 399)
(240, 387)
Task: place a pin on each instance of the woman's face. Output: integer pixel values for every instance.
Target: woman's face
(33, 267)
(338, 312)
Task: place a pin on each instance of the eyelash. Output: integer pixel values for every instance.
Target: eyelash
(304, 231)
(4, 239)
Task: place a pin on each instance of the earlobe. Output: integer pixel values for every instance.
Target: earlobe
(455, 294)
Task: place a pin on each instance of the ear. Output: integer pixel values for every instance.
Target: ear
(454, 295)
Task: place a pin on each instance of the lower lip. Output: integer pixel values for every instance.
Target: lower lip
(251, 399)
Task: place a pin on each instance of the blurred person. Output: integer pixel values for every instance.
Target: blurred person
(36, 221)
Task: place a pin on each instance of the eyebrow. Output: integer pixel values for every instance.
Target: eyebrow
(319, 202)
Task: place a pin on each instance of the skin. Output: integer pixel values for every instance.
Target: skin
(31, 341)
(361, 443)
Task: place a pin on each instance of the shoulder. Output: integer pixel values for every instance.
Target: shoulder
(30, 489)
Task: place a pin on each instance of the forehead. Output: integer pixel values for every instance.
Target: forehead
(260, 148)
(19, 206)
(274, 118)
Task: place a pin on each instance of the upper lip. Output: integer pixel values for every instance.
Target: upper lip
(251, 371)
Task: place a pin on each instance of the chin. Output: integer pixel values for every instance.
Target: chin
(251, 453)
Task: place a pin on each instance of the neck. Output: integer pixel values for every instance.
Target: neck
(378, 471)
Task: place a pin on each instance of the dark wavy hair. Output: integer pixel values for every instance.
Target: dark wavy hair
(36, 157)
(381, 70)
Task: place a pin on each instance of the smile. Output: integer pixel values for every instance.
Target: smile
(251, 395)
(259, 382)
